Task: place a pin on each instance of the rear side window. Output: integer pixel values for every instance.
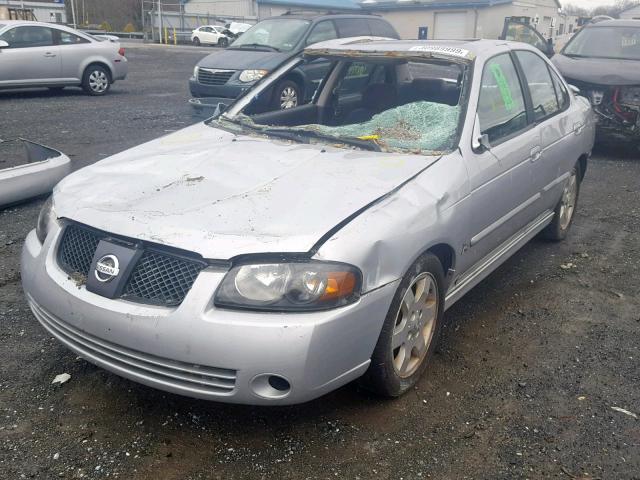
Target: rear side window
(561, 91)
(501, 107)
(66, 38)
(543, 92)
(321, 32)
(353, 27)
(380, 28)
(26, 37)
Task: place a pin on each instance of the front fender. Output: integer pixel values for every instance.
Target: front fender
(387, 238)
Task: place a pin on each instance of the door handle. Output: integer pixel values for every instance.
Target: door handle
(536, 153)
(49, 55)
(577, 128)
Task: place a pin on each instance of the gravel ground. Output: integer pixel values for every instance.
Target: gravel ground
(530, 365)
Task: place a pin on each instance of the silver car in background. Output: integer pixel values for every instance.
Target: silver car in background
(270, 258)
(35, 54)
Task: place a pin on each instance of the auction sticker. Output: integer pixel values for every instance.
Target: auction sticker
(451, 51)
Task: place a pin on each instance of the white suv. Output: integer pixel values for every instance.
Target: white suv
(209, 35)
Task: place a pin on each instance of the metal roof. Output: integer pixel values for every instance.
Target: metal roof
(316, 4)
(429, 4)
(615, 23)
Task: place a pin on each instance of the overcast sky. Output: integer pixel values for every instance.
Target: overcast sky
(587, 3)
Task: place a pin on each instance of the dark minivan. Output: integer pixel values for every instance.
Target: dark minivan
(222, 77)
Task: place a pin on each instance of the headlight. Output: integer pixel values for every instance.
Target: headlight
(289, 286)
(195, 71)
(252, 75)
(46, 217)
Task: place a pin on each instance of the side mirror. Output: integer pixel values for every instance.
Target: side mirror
(574, 89)
(480, 141)
(3, 44)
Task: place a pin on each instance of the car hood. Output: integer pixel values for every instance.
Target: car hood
(599, 71)
(231, 59)
(221, 195)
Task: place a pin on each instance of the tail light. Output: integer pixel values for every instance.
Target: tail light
(121, 51)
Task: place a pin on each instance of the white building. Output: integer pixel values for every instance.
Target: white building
(631, 13)
(44, 11)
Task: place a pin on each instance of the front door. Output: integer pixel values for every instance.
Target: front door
(504, 197)
(31, 57)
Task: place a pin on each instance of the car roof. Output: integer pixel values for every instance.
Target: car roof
(615, 23)
(13, 23)
(320, 16)
(460, 50)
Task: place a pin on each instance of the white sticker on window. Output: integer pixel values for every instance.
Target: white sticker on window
(452, 51)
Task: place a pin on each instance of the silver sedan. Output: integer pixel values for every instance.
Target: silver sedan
(34, 54)
(271, 258)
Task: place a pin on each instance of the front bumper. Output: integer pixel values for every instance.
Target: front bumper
(199, 350)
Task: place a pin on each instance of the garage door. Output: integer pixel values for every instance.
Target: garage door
(450, 25)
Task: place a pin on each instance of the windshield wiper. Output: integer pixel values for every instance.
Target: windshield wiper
(254, 45)
(356, 142)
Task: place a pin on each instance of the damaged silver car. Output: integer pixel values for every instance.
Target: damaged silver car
(603, 61)
(269, 258)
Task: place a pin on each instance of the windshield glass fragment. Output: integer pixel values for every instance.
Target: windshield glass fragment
(382, 104)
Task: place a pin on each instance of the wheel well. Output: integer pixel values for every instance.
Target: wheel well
(100, 64)
(583, 166)
(445, 254)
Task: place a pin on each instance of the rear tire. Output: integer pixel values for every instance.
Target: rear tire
(410, 331)
(96, 80)
(565, 210)
(196, 41)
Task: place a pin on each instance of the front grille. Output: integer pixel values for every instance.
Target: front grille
(163, 278)
(214, 77)
(188, 377)
(159, 276)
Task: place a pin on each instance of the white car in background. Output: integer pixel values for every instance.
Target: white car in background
(210, 35)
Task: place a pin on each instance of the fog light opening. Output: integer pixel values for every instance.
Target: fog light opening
(270, 386)
(279, 383)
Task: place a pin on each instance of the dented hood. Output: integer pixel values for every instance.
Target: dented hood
(599, 71)
(221, 195)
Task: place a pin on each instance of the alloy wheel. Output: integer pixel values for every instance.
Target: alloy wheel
(568, 201)
(415, 325)
(98, 81)
(288, 98)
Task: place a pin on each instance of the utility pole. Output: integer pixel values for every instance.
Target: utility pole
(73, 13)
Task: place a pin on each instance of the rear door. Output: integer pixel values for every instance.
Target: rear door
(503, 193)
(31, 58)
(73, 49)
(552, 116)
(516, 31)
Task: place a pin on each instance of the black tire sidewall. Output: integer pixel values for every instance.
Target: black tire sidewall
(85, 80)
(381, 377)
(196, 41)
(277, 93)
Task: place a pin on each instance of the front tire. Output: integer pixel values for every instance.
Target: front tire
(286, 95)
(565, 209)
(223, 42)
(410, 331)
(96, 80)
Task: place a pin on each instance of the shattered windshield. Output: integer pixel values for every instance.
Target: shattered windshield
(620, 43)
(394, 106)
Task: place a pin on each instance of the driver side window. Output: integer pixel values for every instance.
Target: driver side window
(501, 107)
